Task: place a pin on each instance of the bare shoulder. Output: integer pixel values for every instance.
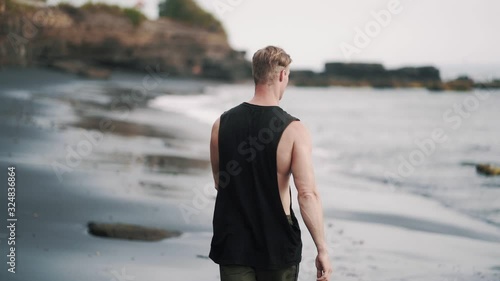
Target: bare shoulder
(298, 127)
(215, 126)
(214, 136)
(298, 132)
(216, 123)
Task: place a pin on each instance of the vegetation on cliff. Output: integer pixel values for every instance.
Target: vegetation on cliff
(135, 16)
(187, 11)
(14, 7)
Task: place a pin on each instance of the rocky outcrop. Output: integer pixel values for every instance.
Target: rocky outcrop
(81, 68)
(423, 74)
(368, 74)
(355, 71)
(462, 83)
(488, 170)
(377, 76)
(49, 36)
(493, 84)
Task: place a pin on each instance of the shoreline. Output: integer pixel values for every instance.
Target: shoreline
(148, 176)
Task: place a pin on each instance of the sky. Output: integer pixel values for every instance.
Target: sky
(453, 34)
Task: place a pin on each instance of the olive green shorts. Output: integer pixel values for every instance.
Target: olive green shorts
(248, 273)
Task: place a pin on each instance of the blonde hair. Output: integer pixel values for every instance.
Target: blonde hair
(267, 62)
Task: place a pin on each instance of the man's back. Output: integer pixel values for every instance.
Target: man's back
(250, 220)
(254, 147)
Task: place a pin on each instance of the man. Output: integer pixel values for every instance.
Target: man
(254, 149)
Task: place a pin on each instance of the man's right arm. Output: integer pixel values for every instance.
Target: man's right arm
(308, 196)
(214, 152)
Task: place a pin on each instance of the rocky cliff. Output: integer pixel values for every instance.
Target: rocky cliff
(68, 37)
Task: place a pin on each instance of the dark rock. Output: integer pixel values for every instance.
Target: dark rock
(493, 84)
(369, 74)
(420, 74)
(81, 68)
(174, 164)
(462, 83)
(306, 78)
(225, 70)
(299, 74)
(129, 231)
(355, 71)
(435, 87)
(487, 170)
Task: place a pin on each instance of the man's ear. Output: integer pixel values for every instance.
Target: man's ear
(282, 75)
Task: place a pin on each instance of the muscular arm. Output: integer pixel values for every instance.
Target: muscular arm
(308, 196)
(303, 175)
(214, 152)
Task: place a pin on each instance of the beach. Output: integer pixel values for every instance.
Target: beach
(134, 149)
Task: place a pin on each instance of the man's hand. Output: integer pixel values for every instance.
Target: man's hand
(323, 266)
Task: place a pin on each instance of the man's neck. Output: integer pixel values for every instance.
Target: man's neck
(265, 95)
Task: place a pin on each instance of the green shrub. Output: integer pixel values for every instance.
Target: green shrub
(102, 7)
(189, 12)
(135, 16)
(18, 8)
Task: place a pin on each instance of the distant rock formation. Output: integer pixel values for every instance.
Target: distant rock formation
(368, 74)
(462, 83)
(99, 40)
(356, 71)
(377, 76)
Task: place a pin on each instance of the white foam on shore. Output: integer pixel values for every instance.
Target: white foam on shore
(207, 107)
(191, 105)
(19, 94)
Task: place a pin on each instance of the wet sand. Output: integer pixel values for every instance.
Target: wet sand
(137, 170)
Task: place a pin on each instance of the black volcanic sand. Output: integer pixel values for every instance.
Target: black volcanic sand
(138, 170)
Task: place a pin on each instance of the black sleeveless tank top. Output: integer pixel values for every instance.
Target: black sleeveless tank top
(250, 226)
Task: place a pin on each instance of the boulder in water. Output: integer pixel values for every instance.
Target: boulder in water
(488, 170)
